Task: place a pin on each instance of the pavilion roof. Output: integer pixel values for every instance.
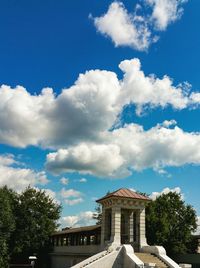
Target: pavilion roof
(78, 230)
(125, 193)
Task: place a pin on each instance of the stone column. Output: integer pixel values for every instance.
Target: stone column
(103, 227)
(142, 232)
(57, 241)
(61, 240)
(116, 226)
(131, 227)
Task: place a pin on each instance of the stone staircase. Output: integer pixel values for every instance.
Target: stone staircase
(95, 259)
(104, 259)
(151, 258)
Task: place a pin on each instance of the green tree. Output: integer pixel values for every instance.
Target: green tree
(97, 215)
(170, 223)
(7, 224)
(36, 220)
(26, 222)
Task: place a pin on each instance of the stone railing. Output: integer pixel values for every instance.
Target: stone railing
(130, 259)
(105, 258)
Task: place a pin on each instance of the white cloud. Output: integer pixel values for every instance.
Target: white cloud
(144, 90)
(22, 116)
(169, 123)
(166, 190)
(64, 180)
(81, 219)
(165, 12)
(69, 221)
(88, 109)
(79, 123)
(198, 226)
(69, 193)
(80, 112)
(137, 31)
(83, 180)
(40, 177)
(71, 197)
(17, 178)
(156, 148)
(75, 201)
(137, 149)
(132, 189)
(96, 159)
(7, 159)
(123, 28)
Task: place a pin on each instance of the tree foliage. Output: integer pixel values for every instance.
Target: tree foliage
(170, 223)
(97, 215)
(26, 222)
(7, 223)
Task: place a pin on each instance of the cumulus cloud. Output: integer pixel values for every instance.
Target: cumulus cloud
(149, 90)
(198, 226)
(64, 180)
(75, 201)
(169, 123)
(70, 193)
(132, 189)
(79, 122)
(165, 12)
(83, 180)
(166, 190)
(87, 110)
(96, 159)
(123, 28)
(22, 116)
(84, 110)
(84, 218)
(16, 177)
(157, 147)
(137, 149)
(137, 31)
(71, 197)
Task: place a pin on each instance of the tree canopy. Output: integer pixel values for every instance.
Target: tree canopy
(26, 222)
(97, 215)
(7, 224)
(170, 223)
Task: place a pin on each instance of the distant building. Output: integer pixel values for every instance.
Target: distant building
(120, 241)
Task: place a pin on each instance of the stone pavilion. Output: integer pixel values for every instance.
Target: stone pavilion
(119, 242)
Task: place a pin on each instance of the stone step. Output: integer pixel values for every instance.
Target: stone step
(99, 257)
(150, 258)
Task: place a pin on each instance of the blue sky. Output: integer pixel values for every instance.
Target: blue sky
(105, 126)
